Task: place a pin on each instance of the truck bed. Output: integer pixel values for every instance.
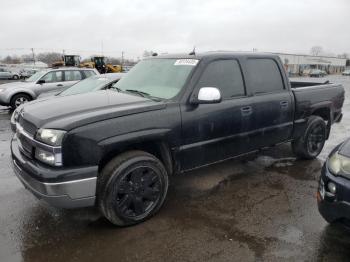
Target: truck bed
(310, 96)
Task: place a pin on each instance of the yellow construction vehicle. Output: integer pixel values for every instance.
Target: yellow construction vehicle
(99, 63)
(68, 60)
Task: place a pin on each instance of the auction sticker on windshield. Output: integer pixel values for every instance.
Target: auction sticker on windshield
(188, 62)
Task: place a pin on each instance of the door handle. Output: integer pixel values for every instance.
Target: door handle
(284, 104)
(59, 85)
(246, 110)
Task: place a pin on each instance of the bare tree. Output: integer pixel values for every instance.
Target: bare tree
(27, 58)
(344, 55)
(11, 60)
(113, 60)
(49, 58)
(316, 50)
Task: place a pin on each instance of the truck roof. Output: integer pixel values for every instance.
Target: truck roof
(213, 54)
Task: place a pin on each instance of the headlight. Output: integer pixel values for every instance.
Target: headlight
(339, 164)
(48, 157)
(14, 119)
(51, 137)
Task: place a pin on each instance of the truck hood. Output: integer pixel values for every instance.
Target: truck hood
(344, 148)
(68, 112)
(16, 85)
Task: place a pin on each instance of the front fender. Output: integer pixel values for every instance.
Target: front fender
(123, 141)
(6, 96)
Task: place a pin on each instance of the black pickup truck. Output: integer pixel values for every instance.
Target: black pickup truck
(116, 148)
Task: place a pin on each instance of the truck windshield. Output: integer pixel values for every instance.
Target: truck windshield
(157, 77)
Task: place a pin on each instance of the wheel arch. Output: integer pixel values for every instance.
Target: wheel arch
(325, 113)
(155, 146)
(19, 93)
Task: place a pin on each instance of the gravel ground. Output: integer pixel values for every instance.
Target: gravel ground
(258, 208)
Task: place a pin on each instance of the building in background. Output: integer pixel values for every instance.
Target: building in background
(302, 64)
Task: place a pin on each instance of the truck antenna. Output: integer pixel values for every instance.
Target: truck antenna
(193, 51)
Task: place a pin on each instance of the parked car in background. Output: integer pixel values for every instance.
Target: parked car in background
(117, 148)
(28, 73)
(7, 74)
(346, 73)
(93, 83)
(317, 73)
(333, 194)
(17, 93)
(126, 69)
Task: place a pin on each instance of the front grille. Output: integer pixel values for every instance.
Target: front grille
(27, 126)
(25, 132)
(24, 145)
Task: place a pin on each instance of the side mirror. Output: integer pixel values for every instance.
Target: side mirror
(207, 95)
(41, 81)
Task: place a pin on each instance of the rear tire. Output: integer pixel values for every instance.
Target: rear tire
(310, 145)
(19, 99)
(15, 77)
(131, 188)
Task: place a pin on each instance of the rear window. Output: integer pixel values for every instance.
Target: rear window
(72, 75)
(89, 73)
(265, 76)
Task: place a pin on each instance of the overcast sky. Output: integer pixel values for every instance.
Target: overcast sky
(173, 26)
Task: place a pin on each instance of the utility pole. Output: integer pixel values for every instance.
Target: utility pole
(122, 60)
(33, 55)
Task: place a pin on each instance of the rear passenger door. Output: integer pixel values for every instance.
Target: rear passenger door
(272, 102)
(213, 132)
(71, 77)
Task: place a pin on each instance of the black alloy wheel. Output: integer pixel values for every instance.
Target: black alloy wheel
(137, 192)
(310, 145)
(131, 188)
(316, 139)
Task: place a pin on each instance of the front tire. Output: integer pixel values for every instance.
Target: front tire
(15, 77)
(310, 145)
(18, 100)
(131, 188)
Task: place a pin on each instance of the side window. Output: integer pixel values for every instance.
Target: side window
(89, 73)
(72, 75)
(265, 76)
(225, 75)
(52, 77)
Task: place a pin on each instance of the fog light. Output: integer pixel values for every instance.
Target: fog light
(332, 188)
(44, 156)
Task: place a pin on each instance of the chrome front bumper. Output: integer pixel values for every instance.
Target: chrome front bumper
(66, 194)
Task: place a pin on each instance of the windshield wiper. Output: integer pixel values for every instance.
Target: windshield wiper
(116, 88)
(143, 94)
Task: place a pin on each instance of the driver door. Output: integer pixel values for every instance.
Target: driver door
(53, 82)
(214, 132)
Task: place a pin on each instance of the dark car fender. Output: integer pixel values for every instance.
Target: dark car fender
(323, 109)
(153, 141)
